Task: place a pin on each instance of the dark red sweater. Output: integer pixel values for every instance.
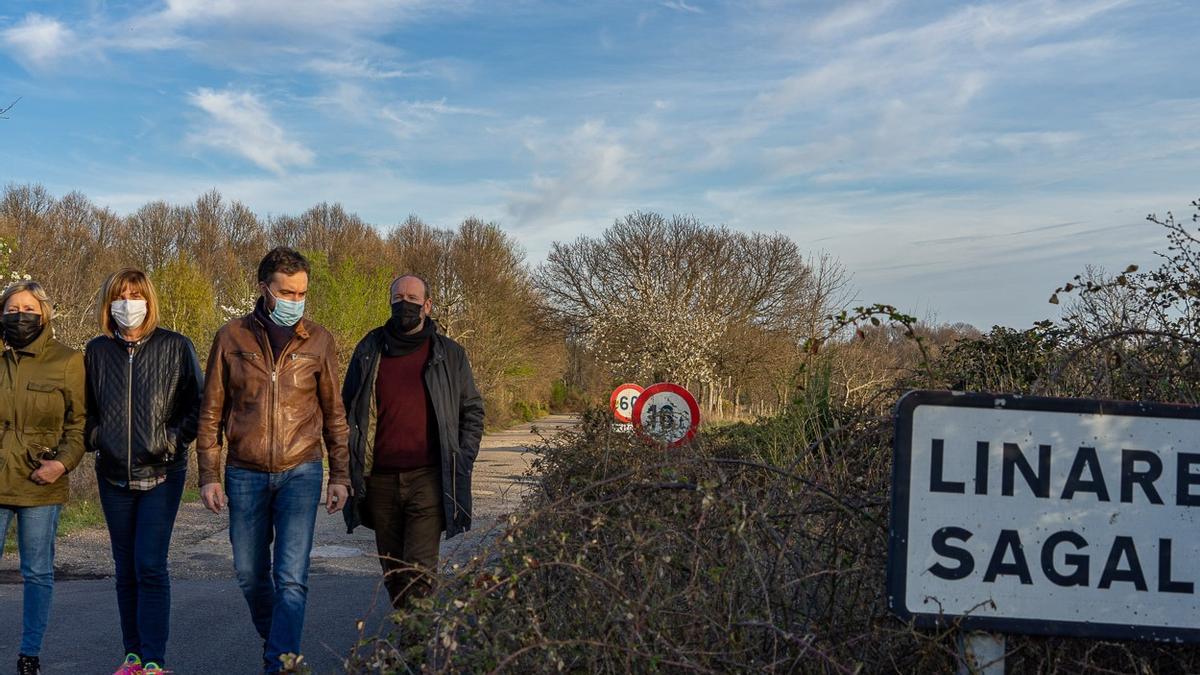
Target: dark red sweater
(405, 426)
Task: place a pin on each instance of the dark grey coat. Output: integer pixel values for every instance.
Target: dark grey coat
(457, 406)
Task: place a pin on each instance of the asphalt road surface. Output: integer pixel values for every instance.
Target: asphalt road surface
(211, 630)
(210, 626)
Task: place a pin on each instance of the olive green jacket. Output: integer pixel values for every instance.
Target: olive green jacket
(41, 406)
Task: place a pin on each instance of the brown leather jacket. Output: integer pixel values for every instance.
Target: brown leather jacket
(273, 416)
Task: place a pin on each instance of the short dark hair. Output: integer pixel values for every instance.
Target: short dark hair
(418, 277)
(282, 259)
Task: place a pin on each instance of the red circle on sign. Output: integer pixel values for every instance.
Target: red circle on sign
(647, 398)
(615, 399)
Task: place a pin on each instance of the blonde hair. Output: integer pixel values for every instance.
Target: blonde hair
(113, 287)
(33, 288)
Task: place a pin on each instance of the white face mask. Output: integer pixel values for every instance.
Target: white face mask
(128, 314)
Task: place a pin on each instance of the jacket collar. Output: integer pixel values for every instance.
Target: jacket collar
(302, 328)
(121, 340)
(437, 347)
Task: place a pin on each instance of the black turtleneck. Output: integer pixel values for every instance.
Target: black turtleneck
(398, 343)
(278, 336)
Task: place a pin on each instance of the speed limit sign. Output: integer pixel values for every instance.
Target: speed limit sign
(667, 413)
(622, 400)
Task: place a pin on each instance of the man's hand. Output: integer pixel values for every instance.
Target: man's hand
(213, 496)
(335, 497)
(50, 471)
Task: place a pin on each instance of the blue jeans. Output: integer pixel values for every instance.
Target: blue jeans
(280, 508)
(36, 528)
(139, 525)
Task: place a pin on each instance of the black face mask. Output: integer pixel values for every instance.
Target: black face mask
(21, 328)
(406, 315)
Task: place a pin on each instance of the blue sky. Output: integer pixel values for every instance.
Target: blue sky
(960, 159)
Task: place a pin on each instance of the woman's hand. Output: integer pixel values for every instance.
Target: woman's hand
(50, 471)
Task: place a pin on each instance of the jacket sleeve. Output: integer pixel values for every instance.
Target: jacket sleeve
(353, 375)
(211, 417)
(470, 411)
(70, 446)
(187, 399)
(333, 413)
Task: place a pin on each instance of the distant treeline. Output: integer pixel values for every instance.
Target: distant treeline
(651, 298)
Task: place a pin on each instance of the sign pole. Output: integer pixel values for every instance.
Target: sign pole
(980, 653)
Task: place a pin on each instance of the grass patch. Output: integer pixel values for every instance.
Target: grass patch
(77, 515)
(80, 514)
(191, 494)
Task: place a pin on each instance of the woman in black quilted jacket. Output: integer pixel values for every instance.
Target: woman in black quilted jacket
(143, 398)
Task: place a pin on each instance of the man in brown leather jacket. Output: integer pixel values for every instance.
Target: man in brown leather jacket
(271, 392)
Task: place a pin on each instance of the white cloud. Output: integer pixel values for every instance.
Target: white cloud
(304, 15)
(849, 16)
(681, 6)
(240, 124)
(903, 100)
(263, 34)
(594, 165)
(38, 42)
(410, 119)
(363, 69)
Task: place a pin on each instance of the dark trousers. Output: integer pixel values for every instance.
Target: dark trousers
(140, 523)
(407, 511)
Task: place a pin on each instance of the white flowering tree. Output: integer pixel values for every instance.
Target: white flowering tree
(657, 339)
(6, 267)
(656, 298)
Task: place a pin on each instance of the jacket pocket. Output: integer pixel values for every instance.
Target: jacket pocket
(170, 447)
(36, 451)
(248, 358)
(44, 403)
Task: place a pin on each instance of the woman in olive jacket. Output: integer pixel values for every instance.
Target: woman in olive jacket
(143, 393)
(41, 439)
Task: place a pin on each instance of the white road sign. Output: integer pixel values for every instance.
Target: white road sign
(622, 400)
(1050, 516)
(667, 413)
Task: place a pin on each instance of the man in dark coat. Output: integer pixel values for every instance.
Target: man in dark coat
(416, 419)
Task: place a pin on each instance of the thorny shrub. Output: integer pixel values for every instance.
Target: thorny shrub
(714, 557)
(762, 547)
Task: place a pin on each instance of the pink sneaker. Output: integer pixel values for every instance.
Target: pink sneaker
(132, 666)
(152, 667)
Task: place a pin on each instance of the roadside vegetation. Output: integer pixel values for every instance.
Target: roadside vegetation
(758, 547)
(762, 545)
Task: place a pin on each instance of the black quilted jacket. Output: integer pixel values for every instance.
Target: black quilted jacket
(142, 404)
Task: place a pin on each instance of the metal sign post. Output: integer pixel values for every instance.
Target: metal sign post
(981, 653)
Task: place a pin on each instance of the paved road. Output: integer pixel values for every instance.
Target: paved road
(210, 625)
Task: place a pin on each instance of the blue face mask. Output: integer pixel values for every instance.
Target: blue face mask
(286, 312)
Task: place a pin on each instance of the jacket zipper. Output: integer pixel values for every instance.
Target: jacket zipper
(129, 421)
(274, 398)
(265, 341)
(274, 412)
